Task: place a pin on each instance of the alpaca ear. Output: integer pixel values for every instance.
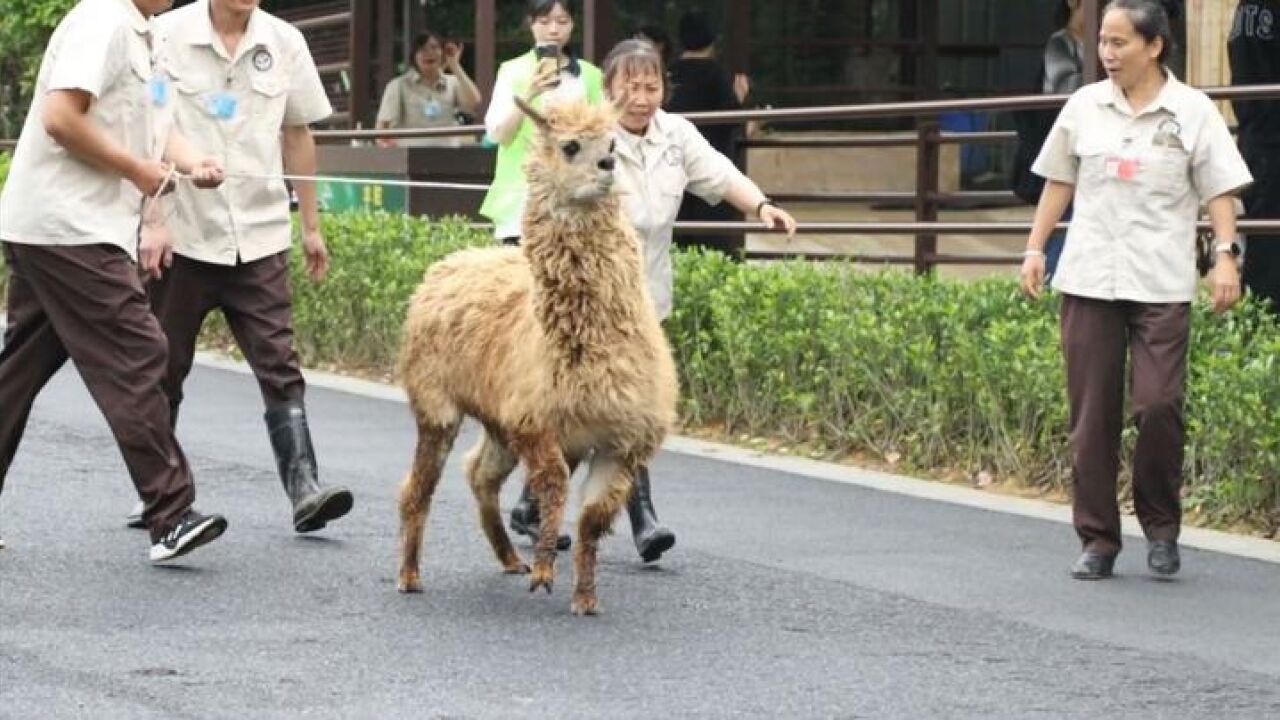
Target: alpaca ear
(537, 117)
(620, 102)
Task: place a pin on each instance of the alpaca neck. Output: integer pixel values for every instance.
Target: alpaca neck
(588, 275)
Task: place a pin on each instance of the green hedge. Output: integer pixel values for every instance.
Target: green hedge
(926, 374)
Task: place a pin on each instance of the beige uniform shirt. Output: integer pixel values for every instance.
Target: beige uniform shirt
(653, 173)
(233, 108)
(51, 198)
(409, 102)
(1140, 180)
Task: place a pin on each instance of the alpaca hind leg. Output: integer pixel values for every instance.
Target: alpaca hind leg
(604, 494)
(549, 482)
(488, 466)
(434, 441)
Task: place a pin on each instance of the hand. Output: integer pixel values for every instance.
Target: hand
(151, 177)
(155, 250)
(386, 142)
(1032, 275)
(542, 82)
(316, 253)
(207, 174)
(452, 54)
(1226, 283)
(774, 217)
(741, 87)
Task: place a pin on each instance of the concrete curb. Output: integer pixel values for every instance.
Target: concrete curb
(1199, 538)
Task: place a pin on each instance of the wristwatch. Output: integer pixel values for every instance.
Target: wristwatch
(761, 204)
(1228, 247)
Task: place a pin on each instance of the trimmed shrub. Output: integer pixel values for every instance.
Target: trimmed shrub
(927, 374)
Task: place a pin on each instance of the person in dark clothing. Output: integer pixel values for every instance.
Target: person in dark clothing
(1254, 49)
(658, 36)
(700, 83)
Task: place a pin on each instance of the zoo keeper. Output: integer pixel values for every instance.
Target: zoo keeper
(1140, 153)
(69, 219)
(244, 82)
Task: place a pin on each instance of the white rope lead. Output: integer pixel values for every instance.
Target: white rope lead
(362, 181)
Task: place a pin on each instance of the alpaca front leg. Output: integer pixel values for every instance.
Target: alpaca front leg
(549, 481)
(605, 493)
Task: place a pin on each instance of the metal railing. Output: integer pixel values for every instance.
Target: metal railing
(927, 198)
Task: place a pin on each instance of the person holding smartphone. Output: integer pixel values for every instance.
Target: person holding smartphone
(547, 73)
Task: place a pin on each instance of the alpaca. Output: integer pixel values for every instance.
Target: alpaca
(554, 347)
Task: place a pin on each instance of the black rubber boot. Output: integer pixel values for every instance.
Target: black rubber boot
(525, 519)
(652, 539)
(313, 506)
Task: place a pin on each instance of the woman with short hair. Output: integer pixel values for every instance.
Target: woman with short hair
(1137, 154)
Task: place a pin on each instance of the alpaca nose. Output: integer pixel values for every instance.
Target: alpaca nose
(606, 164)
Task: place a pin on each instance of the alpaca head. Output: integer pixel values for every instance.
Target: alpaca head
(572, 160)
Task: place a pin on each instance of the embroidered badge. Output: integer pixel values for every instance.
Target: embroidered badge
(673, 156)
(1168, 134)
(262, 60)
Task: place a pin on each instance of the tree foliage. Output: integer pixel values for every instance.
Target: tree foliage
(25, 26)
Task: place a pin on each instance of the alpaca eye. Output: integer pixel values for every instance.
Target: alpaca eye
(613, 144)
(571, 148)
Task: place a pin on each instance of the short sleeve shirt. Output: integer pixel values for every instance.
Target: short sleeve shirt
(411, 102)
(233, 107)
(102, 47)
(654, 170)
(1140, 180)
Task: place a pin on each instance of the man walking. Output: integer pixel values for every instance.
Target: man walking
(246, 82)
(69, 219)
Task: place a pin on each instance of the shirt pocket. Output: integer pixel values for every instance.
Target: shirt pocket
(1093, 156)
(1169, 172)
(190, 98)
(268, 100)
(669, 182)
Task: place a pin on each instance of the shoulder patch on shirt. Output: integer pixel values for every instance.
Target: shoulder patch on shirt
(262, 60)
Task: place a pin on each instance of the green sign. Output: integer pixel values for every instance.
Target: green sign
(357, 197)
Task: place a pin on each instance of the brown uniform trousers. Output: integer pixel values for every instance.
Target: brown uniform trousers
(87, 303)
(255, 299)
(1096, 336)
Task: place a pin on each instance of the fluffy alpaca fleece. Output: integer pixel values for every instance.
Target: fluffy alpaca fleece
(554, 347)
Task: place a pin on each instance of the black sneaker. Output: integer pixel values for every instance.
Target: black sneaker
(192, 531)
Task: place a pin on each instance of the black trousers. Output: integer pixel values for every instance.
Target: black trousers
(258, 305)
(1262, 202)
(86, 303)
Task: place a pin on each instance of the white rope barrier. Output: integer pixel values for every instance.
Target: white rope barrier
(426, 184)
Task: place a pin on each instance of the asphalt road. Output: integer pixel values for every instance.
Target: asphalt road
(786, 596)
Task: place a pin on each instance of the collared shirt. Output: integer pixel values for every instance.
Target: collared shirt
(234, 107)
(411, 102)
(101, 47)
(653, 172)
(1140, 179)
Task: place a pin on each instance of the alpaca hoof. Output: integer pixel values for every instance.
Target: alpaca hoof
(585, 605)
(542, 577)
(409, 583)
(516, 568)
